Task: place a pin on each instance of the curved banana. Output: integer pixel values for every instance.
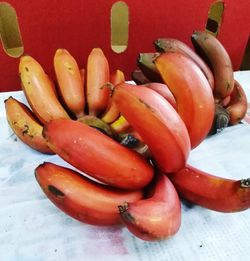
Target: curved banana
(209, 191)
(70, 82)
(112, 112)
(157, 122)
(39, 91)
(97, 78)
(97, 155)
(212, 51)
(80, 197)
(192, 92)
(174, 45)
(25, 125)
(156, 217)
(237, 107)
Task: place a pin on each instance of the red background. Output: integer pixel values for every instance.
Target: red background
(81, 25)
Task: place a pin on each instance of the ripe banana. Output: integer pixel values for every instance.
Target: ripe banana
(70, 84)
(192, 92)
(156, 217)
(80, 197)
(174, 45)
(164, 91)
(156, 121)
(209, 191)
(25, 125)
(97, 80)
(237, 107)
(97, 155)
(212, 51)
(112, 112)
(39, 91)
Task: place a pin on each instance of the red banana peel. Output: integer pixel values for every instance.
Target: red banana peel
(174, 45)
(70, 82)
(96, 83)
(215, 54)
(157, 122)
(112, 113)
(25, 125)
(80, 197)
(237, 106)
(192, 92)
(156, 217)
(40, 91)
(212, 192)
(97, 155)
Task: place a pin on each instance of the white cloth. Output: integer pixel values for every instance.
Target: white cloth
(33, 229)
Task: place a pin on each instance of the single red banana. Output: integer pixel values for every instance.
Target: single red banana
(157, 122)
(237, 107)
(70, 82)
(80, 197)
(112, 113)
(157, 217)
(40, 91)
(212, 192)
(174, 45)
(192, 92)
(97, 80)
(164, 91)
(97, 155)
(25, 125)
(216, 56)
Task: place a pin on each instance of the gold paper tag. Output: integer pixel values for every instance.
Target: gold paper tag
(9, 31)
(119, 26)
(215, 15)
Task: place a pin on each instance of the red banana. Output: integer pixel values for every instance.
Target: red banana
(80, 197)
(174, 45)
(237, 107)
(25, 125)
(192, 92)
(112, 113)
(70, 82)
(157, 217)
(209, 191)
(216, 56)
(156, 121)
(39, 91)
(97, 155)
(97, 80)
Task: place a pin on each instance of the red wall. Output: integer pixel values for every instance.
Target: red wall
(81, 25)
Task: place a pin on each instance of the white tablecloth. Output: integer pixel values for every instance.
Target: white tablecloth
(33, 229)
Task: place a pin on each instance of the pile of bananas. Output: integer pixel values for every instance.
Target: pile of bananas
(131, 143)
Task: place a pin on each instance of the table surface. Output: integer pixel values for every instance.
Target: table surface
(33, 229)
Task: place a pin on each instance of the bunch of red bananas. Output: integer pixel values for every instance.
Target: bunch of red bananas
(131, 142)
